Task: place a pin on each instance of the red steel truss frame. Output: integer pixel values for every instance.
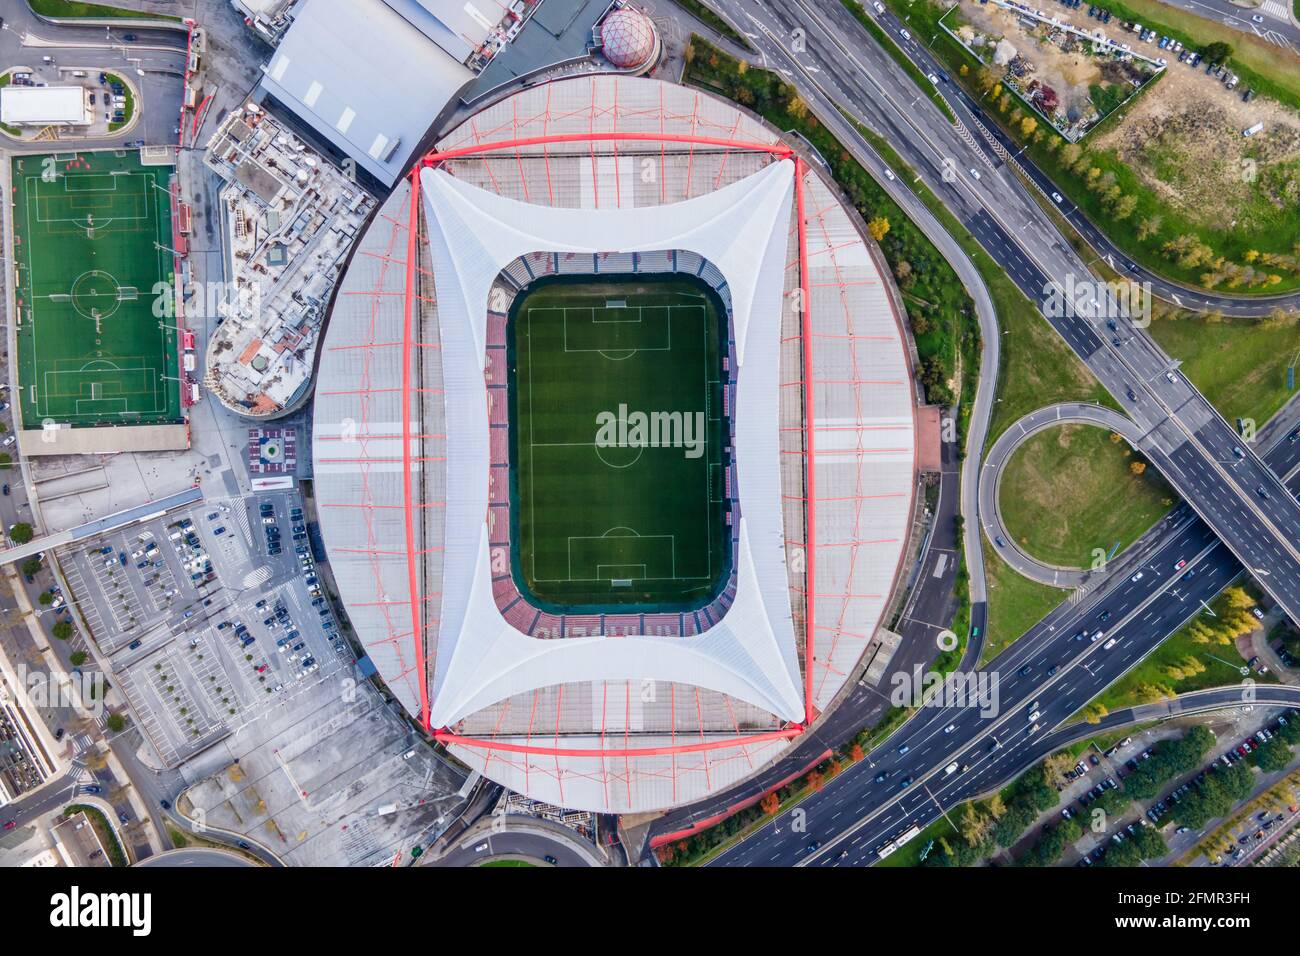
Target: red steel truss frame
(775, 149)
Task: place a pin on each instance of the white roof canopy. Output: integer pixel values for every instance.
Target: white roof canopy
(743, 229)
(43, 104)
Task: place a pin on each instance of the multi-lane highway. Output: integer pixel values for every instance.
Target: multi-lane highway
(1057, 664)
(836, 66)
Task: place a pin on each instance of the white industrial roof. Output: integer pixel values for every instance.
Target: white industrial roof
(43, 104)
(458, 26)
(742, 229)
(365, 78)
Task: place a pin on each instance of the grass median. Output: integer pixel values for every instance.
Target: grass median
(72, 10)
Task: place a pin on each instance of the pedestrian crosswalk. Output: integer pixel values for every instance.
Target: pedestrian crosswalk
(1275, 8)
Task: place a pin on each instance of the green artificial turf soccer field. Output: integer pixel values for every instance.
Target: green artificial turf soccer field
(91, 351)
(602, 518)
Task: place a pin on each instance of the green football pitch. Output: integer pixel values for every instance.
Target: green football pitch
(92, 236)
(618, 441)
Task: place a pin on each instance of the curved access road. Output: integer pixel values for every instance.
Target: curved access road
(524, 839)
(990, 498)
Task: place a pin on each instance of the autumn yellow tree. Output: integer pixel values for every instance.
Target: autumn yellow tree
(878, 227)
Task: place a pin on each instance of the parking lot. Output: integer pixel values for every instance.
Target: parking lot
(131, 581)
(212, 614)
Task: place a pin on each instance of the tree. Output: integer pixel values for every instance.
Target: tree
(1124, 207)
(1114, 802)
(5, 460)
(770, 803)
(1149, 842)
(1124, 854)
(1020, 814)
(974, 824)
(1216, 52)
(62, 629)
(1028, 125)
(46, 598)
(1275, 755)
(1047, 850)
(116, 723)
(878, 227)
(1137, 467)
(1094, 712)
(21, 533)
(30, 566)
(77, 658)
(1071, 829)
(1058, 764)
(1148, 227)
(1290, 731)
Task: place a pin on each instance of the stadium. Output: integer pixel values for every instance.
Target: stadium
(615, 443)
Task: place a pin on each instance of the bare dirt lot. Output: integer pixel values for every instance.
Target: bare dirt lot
(1184, 138)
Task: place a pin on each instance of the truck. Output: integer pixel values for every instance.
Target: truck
(1252, 130)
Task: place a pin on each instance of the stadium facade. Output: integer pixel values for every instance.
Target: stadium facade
(614, 176)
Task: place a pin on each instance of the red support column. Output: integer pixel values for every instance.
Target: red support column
(810, 536)
(408, 334)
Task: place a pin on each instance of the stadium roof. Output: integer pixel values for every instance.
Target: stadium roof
(741, 228)
(43, 104)
(365, 78)
(822, 411)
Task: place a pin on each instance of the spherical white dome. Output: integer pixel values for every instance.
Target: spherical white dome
(629, 38)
